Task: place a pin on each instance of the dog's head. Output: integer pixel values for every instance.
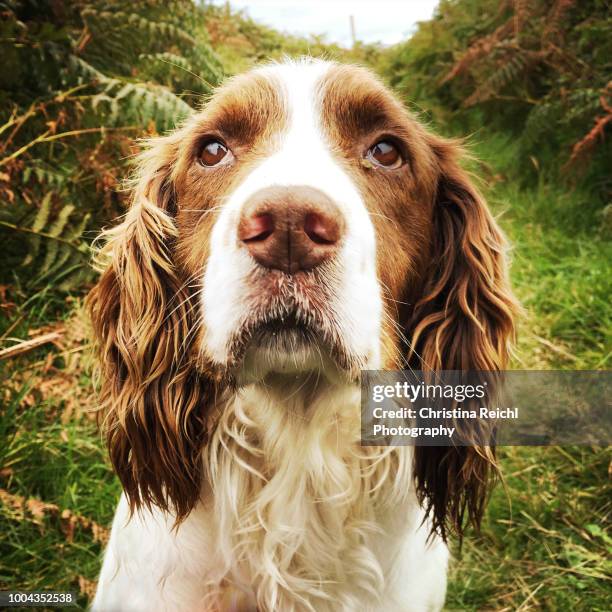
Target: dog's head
(302, 223)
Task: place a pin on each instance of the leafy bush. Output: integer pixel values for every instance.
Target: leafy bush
(80, 81)
(537, 70)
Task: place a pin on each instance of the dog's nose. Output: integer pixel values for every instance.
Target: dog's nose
(291, 228)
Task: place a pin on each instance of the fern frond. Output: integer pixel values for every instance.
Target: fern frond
(552, 29)
(40, 221)
(171, 59)
(56, 229)
(587, 143)
(478, 49)
(141, 103)
(507, 72)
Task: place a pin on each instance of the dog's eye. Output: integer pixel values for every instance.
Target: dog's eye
(214, 153)
(385, 153)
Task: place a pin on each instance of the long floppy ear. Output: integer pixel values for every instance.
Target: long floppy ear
(152, 396)
(464, 321)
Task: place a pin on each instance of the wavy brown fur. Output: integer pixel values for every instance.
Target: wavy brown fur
(464, 321)
(153, 398)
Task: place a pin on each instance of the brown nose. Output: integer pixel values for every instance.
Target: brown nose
(291, 228)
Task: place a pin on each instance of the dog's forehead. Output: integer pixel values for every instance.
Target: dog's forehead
(296, 90)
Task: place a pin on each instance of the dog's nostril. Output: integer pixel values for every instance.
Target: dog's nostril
(257, 228)
(290, 228)
(321, 229)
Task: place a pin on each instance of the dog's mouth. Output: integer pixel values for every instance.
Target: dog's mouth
(289, 343)
(284, 334)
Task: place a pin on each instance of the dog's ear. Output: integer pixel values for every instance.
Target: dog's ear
(463, 321)
(153, 399)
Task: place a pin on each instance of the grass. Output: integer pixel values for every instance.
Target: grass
(544, 543)
(54, 475)
(560, 264)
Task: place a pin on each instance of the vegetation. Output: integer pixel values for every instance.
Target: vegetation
(80, 81)
(528, 81)
(539, 71)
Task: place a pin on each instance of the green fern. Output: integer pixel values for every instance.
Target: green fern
(120, 35)
(508, 72)
(43, 173)
(55, 245)
(40, 221)
(141, 103)
(106, 72)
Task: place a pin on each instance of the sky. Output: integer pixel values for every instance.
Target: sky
(386, 21)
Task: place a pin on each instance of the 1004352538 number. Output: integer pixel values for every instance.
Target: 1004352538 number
(27, 599)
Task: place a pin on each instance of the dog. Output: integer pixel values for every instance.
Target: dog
(300, 228)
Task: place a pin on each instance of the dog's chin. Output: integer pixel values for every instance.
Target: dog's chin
(280, 351)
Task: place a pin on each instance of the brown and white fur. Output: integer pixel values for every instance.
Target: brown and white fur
(237, 441)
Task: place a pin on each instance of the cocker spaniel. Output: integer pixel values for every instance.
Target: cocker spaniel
(299, 229)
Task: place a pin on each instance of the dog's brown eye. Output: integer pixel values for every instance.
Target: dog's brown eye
(214, 153)
(385, 153)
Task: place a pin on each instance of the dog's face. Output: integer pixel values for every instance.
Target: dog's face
(303, 205)
(303, 222)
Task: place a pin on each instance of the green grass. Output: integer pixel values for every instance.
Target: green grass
(560, 264)
(61, 463)
(544, 543)
(50, 451)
